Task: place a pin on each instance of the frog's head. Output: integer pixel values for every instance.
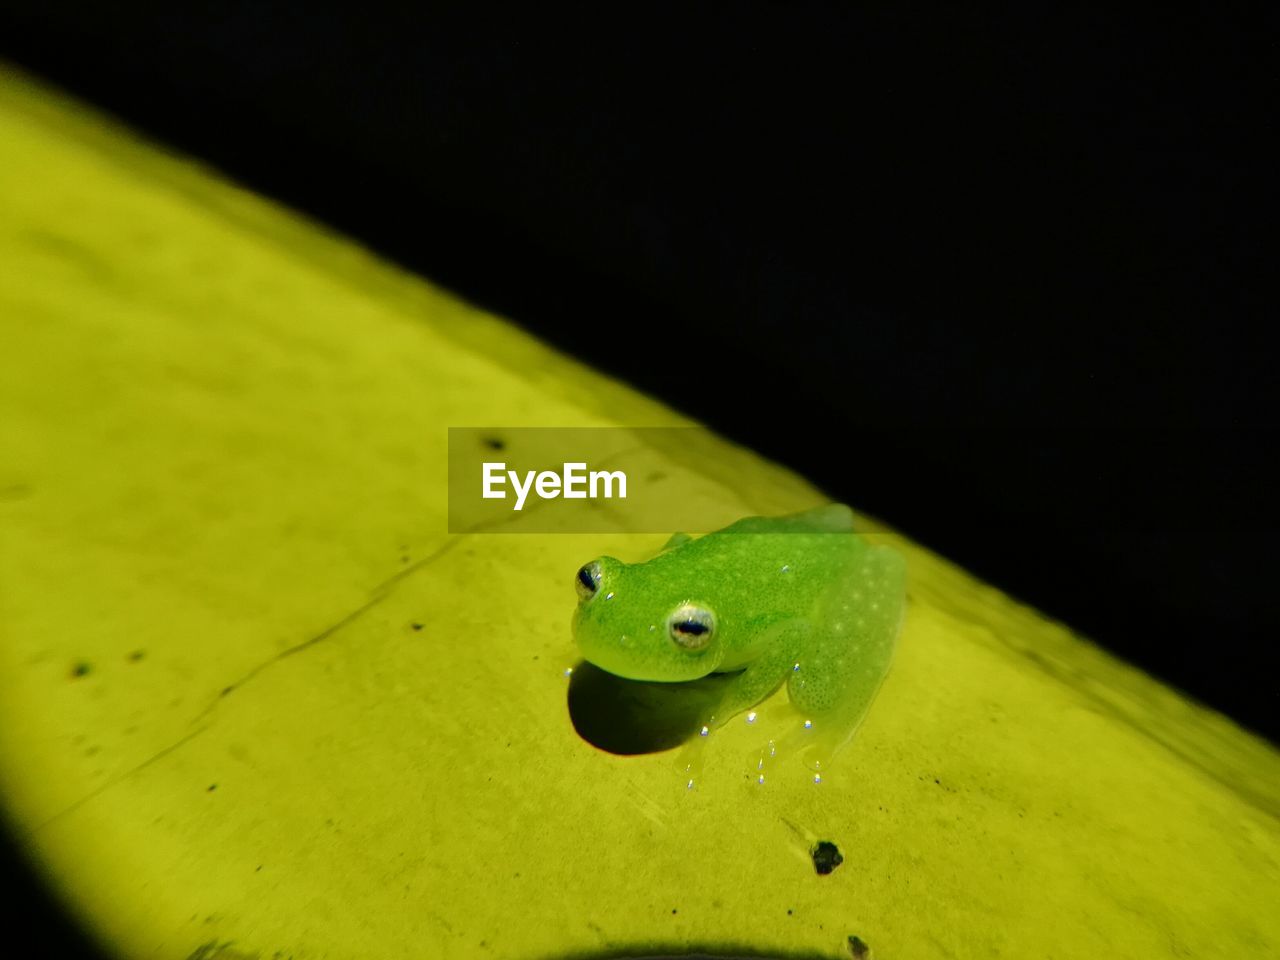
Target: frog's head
(636, 628)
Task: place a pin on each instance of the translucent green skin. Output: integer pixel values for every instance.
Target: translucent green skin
(800, 598)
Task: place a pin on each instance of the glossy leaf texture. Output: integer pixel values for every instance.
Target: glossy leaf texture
(255, 701)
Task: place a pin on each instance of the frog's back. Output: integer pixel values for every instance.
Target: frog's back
(762, 568)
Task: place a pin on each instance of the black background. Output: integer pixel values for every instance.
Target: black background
(996, 278)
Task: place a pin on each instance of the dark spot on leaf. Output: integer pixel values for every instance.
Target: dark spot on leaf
(137, 655)
(495, 443)
(212, 787)
(826, 857)
(858, 948)
(416, 626)
(15, 491)
(226, 690)
(81, 669)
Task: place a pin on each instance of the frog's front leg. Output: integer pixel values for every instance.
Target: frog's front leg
(748, 687)
(842, 667)
(780, 647)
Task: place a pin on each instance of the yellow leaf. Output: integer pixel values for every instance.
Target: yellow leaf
(256, 702)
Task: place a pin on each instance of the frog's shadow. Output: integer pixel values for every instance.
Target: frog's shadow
(631, 717)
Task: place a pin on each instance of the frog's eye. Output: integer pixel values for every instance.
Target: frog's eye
(691, 627)
(587, 582)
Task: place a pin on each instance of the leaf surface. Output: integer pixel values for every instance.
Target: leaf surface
(256, 702)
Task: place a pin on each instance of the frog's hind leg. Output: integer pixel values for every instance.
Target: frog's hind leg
(677, 540)
(850, 652)
(831, 518)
